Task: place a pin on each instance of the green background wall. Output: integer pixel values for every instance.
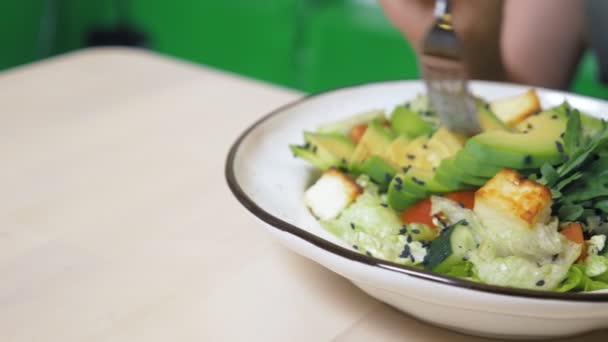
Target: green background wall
(311, 45)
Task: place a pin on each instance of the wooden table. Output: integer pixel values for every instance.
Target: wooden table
(116, 223)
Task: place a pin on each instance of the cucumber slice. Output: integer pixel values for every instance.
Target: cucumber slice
(450, 248)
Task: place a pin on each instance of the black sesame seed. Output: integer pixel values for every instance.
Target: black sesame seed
(528, 159)
(460, 204)
(562, 135)
(554, 257)
(399, 180)
(540, 283)
(415, 231)
(418, 181)
(314, 149)
(553, 116)
(403, 230)
(397, 186)
(560, 147)
(410, 156)
(412, 258)
(352, 225)
(464, 222)
(368, 253)
(529, 126)
(384, 205)
(405, 169)
(409, 239)
(355, 247)
(406, 252)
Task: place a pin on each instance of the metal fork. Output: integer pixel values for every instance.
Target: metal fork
(445, 74)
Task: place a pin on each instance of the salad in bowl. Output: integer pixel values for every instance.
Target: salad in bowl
(522, 204)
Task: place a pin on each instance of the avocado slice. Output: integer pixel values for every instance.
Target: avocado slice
(417, 181)
(325, 150)
(410, 123)
(409, 187)
(447, 173)
(591, 125)
(374, 141)
(344, 126)
(488, 119)
(539, 141)
(470, 165)
(405, 153)
(378, 170)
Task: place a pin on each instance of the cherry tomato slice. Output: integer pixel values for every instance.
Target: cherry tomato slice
(421, 211)
(357, 132)
(465, 198)
(418, 213)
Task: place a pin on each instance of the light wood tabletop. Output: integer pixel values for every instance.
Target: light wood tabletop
(116, 223)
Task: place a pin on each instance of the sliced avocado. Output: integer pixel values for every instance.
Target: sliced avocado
(423, 156)
(396, 153)
(449, 181)
(344, 126)
(380, 171)
(374, 141)
(400, 200)
(488, 119)
(469, 164)
(538, 142)
(409, 187)
(448, 174)
(410, 123)
(422, 104)
(325, 150)
(591, 125)
(405, 153)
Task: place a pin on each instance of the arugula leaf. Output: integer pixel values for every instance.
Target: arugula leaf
(579, 185)
(570, 212)
(602, 205)
(549, 175)
(574, 131)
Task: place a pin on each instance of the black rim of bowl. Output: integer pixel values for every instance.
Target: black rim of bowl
(319, 242)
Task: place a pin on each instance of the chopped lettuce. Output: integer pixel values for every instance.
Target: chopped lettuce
(373, 228)
(537, 258)
(523, 272)
(577, 280)
(595, 264)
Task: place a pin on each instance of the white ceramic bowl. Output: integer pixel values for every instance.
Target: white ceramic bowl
(269, 182)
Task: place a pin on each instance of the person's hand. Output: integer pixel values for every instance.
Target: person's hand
(476, 22)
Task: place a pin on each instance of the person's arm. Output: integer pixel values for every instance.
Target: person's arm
(542, 41)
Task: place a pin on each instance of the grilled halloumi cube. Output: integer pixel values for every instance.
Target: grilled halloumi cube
(512, 110)
(509, 197)
(332, 193)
